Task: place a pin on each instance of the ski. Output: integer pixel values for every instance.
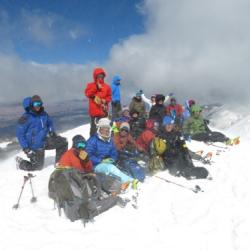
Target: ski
(195, 189)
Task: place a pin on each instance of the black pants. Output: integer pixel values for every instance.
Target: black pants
(183, 166)
(36, 162)
(116, 108)
(210, 137)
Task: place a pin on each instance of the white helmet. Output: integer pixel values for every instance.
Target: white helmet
(104, 123)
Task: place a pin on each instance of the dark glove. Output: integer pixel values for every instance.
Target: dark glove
(206, 121)
(29, 152)
(141, 91)
(52, 134)
(170, 94)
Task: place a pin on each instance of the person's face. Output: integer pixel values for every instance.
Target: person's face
(197, 114)
(169, 127)
(124, 132)
(105, 132)
(160, 102)
(153, 99)
(173, 102)
(126, 113)
(135, 115)
(37, 105)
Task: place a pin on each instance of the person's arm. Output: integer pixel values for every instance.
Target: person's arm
(21, 130)
(91, 90)
(108, 96)
(91, 149)
(146, 100)
(113, 153)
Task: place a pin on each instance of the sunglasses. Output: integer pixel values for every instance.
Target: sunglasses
(81, 145)
(125, 129)
(37, 104)
(100, 76)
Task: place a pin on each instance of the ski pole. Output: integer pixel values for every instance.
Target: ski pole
(33, 199)
(25, 179)
(196, 189)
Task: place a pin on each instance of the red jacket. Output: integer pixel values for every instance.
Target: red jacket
(70, 159)
(105, 93)
(144, 139)
(177, 108)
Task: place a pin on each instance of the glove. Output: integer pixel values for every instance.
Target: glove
(97, 100)
(170, 94)
(52, 134)
(29, 152)
(108, 160)
(83, 155)
(141, 91)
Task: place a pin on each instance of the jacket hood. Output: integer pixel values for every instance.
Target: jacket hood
(115, 79)
(26, 103)
(98, 71)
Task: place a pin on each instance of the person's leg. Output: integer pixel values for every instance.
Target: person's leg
(217, 137)
(36, 161)
(93, 128)
(201, 137)
(59, 143)
(110, 169)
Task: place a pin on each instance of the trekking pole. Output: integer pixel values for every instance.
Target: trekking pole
(33, 199)
(217, 146)
(196, 189)
(25, 179)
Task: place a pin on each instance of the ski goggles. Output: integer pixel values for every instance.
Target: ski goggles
(125, 129)
(81, 145)
(37, 104)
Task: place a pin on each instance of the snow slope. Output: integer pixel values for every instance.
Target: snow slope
(168, 216)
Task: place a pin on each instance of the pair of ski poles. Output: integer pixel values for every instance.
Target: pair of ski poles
(25, 179)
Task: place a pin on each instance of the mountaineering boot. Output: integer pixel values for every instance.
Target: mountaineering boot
(18, 161)
(121, 202)
(135, 184)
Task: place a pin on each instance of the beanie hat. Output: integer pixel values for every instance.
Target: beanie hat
(159, 98)
(104, 122)
(78, 139)
(36, 98)
(167, 120)
(191, 102)
(138, 94)
(125, 125)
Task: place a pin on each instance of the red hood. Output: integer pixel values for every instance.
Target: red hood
(98, 71)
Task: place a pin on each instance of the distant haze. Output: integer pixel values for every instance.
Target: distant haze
(196, 49)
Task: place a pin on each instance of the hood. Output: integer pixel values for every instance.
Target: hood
(98, 71)
(26, 103)
(115, 79)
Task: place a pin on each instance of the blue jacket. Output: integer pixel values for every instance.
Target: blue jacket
(116, 96)
(33, 128)
(99, 149)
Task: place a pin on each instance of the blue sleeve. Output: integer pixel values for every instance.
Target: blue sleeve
(114, 153)
(50, 125)
(21, 130)
(91, 149)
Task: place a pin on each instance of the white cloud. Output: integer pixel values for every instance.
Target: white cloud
(197, 49)
(53, 82)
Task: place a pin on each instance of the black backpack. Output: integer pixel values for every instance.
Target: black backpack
(78, 194)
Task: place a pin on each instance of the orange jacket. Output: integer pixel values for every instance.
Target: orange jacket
(105, 93)
(70, 159)
(121, 142)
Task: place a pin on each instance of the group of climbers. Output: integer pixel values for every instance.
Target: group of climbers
(147, 129)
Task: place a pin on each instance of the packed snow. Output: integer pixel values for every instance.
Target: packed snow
(168, 216)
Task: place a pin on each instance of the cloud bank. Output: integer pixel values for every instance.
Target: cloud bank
(196, 49)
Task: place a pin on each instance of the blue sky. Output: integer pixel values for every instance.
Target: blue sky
(75, 31)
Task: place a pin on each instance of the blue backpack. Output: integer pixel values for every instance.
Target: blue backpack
(132, 168)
